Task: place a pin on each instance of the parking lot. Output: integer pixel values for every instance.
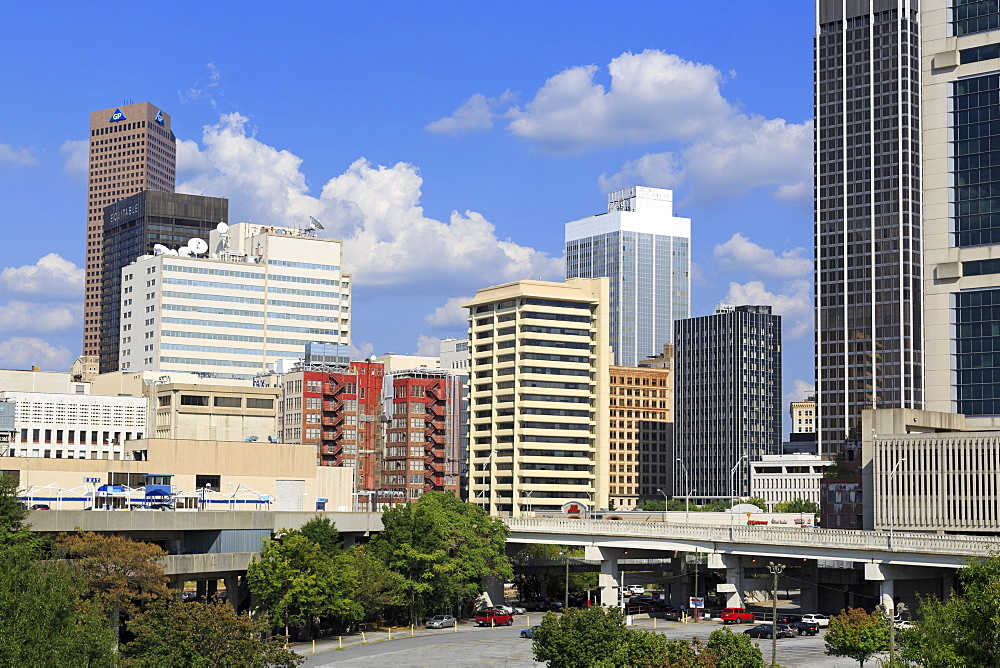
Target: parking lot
(469, 645)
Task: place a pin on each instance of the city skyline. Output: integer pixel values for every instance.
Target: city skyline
(438, 183)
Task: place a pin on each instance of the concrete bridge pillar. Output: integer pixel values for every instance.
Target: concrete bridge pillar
(233, 590)
(609, 579)
(733, 587)
(492, 591)
(904, 584)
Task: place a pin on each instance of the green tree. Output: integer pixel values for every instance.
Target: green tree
(378, 588)
(758, 501)
(797, 506)
(297, 582)
(323, 532)
(119, 574)
(12, 512)
(651, 505)
(44, 617)
(726, 649)
(965, 629)
(202, 636)
(444, 548)
(577, 637)
(857, 634)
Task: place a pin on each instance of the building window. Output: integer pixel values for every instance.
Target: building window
(253, 402)
(193, 400)
(228, 402)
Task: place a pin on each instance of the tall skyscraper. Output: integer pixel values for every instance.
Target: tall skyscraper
(539, 399)
(728, 394)
(131, 149)
(961, 94)
(869, 296)
(134, 226)
(645, 250)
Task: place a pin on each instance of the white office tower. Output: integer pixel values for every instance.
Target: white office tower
(645, 250)
(256, 295)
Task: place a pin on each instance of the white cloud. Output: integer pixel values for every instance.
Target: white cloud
(652, 96)
(450, 314)
(741, 254)
(476, 113)
(24, 316)
(76, 156)
(374, 209)
(428, 346)
(794, 303)
(716, 149)
(16, 156)
(23, 352)
(202, 89)
(800, 390)
(362, 350)
(52, 275)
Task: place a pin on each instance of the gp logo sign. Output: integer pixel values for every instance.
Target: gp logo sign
(117, 116)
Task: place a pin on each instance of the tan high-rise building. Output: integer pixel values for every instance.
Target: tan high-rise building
(642, 421)
(132, 149)
(540, 356)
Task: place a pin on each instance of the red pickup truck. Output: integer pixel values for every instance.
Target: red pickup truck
(493, 617)
(737, 616)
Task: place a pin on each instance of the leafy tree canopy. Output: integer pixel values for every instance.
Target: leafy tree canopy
(323, 532)
(857, 634)
(576, 637)
(965, 629)
(443, 548)
(202, 636)
(797, 506)
(726, 649)
(378, 589)
(296, 581)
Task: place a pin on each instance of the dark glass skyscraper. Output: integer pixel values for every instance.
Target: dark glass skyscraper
(132, 227)
(727, 390)
(869, 296)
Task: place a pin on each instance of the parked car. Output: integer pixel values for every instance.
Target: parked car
(494, 617)
(530, 633)
(821, 620)
(806, 628)
(789, 619)
(669, 614)
(767, 631)
(737, 616)
(40, 506)
(440, 622)
(905, 624)
(638, 589)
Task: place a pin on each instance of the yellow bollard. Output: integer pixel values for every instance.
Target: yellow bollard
(364, 640)
(527, 620)
(454, 627)
(654, 622)
(493, 623)
(340, 642)
(390, 633)
(411, 630)
(314, 646)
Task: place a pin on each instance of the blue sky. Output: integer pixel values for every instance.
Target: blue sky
(446, 143)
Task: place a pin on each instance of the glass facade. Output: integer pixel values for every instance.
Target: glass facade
(971, 16)
(132, 227)
(728, 397)
(976, 160)
(869, 296)
(977, 352)
(650, 287)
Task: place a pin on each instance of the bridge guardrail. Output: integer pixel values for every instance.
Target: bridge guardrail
(835, 538)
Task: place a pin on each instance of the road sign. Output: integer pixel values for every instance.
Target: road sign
(697, 601)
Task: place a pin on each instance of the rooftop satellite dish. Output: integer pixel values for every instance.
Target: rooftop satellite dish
(159, 249)
(315, 224)
(185, 251)
(170, 251)
(197, 246)
(272, 439)
(252, 439)
(222, 228)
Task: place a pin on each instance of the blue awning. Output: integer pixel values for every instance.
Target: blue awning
(113, 489)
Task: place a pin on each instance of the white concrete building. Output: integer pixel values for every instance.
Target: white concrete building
(74, 426)
(539, 402)
(397, 362)
(455, 355)
(260, 296)
(803, 415)
(778, 478)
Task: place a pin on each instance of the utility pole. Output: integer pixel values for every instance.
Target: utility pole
(697, 558)
(565, 553)
(776, 570)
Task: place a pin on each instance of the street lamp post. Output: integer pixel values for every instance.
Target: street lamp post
(687, 486)
(527, 497)
(776, 570)
(732, 492)
(892, 499)
(565, 553)
(664, 505)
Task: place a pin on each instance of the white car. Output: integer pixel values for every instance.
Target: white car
(821, 621)
(905, 624)
(638, 589)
